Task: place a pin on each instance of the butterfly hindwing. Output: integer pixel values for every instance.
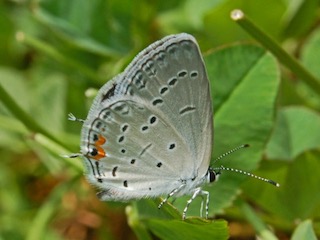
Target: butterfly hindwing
(132, 149)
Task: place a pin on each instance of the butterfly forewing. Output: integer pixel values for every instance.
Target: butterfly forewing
(170, 75)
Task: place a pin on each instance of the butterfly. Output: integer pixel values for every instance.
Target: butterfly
(149, 131)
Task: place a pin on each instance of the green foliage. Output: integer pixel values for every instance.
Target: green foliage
(304, 231)
(54, 52)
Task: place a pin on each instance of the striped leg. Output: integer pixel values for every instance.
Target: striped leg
(202, 193)
(207, 202)
(201, 207)
(197, 192)
(170, 195)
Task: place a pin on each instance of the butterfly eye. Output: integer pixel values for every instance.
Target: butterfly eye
(211, 175)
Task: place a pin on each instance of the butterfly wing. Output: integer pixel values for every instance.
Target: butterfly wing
(170, 74)
(150, 128)
(127, 151)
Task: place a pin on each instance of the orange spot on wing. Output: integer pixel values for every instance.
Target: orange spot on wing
(101, 153)
(101, 140)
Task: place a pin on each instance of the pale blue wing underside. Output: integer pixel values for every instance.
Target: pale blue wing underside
(155, 120)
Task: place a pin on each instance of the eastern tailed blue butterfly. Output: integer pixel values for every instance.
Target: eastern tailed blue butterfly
(149, 131)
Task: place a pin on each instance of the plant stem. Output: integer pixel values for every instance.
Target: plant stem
(274, 47)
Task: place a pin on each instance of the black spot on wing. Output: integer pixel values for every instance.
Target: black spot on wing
(114, 171)
(187, 109)
(109, 93)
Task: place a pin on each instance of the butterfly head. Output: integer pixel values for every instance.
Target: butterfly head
(212, 175)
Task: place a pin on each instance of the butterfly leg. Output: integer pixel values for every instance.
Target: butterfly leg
(201, 194)
(197, 192)
(170, 195)
(201, 206)
(207, 202)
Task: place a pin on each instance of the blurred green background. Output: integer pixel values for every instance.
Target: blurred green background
(55, 54)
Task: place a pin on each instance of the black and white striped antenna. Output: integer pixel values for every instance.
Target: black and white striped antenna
(222, 168)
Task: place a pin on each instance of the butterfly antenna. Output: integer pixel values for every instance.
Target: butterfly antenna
(72, 155)
(231, 151)
(218, 169)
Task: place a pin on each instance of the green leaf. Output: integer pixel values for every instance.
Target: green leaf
(177, 229)
(311, 52)
(93, 26)
(147, 208)
(304, 231)
(300, 17)
(15, 84)
(189, 14)
(52, 95)
(298, 197)
(297, 130)
(73, 35)
(166, 223)
(10, 129)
